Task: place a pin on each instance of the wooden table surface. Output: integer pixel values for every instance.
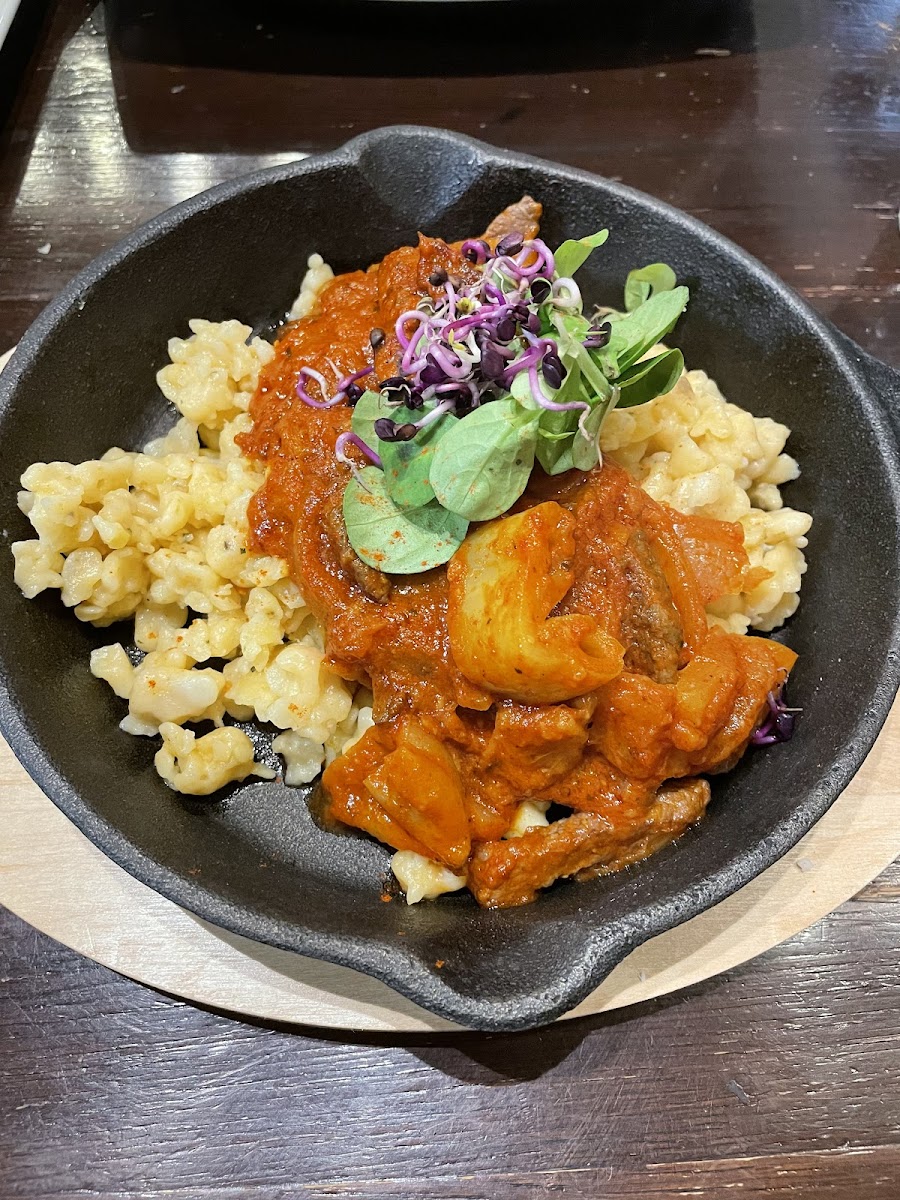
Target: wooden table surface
(776, 121)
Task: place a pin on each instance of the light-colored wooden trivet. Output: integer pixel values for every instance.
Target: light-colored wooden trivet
(55, 879)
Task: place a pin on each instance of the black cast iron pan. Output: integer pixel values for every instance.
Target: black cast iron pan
(255, 861)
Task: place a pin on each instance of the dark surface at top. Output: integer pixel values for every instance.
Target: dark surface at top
(775, 1077)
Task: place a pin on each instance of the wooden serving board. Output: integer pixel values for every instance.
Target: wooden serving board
(59, 882)
(55, 879)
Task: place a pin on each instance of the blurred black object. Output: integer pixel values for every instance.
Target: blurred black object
(16, 51)
(421, 37)
(327, 64)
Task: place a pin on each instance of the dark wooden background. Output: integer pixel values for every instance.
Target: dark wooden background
(776, 121)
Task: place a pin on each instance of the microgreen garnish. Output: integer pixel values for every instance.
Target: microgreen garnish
(347, 388)
(402, 541)
(574, 253)
(482, 466)
(491, 377)
(353, 439)
(646, 282)
(778, 724)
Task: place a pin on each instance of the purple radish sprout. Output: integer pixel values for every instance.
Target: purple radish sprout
(778, 725)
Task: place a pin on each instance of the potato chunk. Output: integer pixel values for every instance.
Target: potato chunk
(505, 580)
(419, 787)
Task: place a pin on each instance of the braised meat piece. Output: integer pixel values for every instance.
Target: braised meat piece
(375, 584)
(522, 217)
(508, 873)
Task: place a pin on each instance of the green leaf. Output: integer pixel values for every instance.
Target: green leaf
(554, 452)
(573, 253)
(574, 354)
(562, 460)
(559, 436)
(556, 429)
(647, 380)
(636, 292)
(574, 386)
(570, 390)
(582, 453)
(407, 464)
(400, 542)
(646, 282)
(640, 330)
(554, 424)
(369, 407)
(482, 466)
(568, 455)
(572, 326)
(585, 452)
(521, 392)
(597, 383)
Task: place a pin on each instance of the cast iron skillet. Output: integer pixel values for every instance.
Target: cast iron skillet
(255, 861)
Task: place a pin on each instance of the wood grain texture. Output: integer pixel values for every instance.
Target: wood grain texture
(121, 923)
(115, 920)
(780, 1076)
(778, 1079)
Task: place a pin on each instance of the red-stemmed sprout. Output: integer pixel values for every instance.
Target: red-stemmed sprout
(353, 439)
(348, 388)
(389, 430)
(467, 344)
(565, 294)
(779, 722)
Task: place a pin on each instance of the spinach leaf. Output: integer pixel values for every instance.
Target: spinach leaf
(646, 282)
(647, 380)
(640, 330)
(407, 464)
(482, 465)
(401, 542)
(573, 253)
